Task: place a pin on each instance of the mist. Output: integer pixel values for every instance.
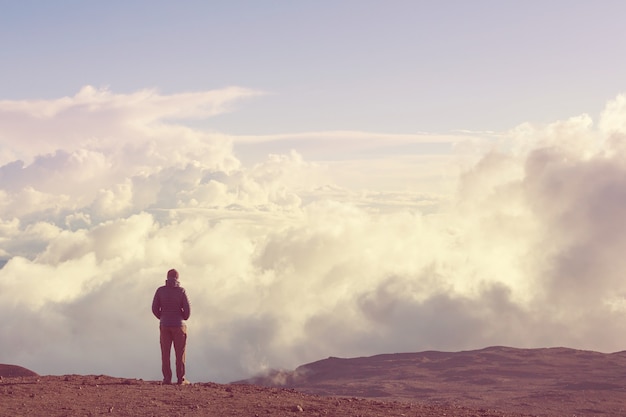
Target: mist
(290, 255)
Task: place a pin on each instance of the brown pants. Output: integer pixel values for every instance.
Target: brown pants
(177, 336)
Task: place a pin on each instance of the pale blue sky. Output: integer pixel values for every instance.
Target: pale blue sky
(381, 66)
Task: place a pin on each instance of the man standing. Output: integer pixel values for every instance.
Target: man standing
(171, 306)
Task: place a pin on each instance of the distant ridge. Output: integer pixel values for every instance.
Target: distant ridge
(15, 371)
(499, 362)
(530, 380)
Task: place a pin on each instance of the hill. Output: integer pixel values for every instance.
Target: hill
(14, 370)
(551, 381)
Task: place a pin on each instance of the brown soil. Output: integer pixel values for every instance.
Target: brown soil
(492, 382)
(76, 395)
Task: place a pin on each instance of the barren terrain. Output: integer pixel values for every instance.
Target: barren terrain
(551, 382)
(497, 381)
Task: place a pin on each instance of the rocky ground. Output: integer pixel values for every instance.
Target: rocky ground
(497, 381)
(77, 395)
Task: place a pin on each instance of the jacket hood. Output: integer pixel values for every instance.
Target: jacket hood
(172, 283)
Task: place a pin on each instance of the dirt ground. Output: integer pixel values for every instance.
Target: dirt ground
(77, 395)
(491, 382)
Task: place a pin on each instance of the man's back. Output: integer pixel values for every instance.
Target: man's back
(171, 305)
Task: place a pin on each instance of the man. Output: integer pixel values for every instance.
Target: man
(171, 306)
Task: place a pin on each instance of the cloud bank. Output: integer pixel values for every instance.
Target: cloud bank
(102, 193)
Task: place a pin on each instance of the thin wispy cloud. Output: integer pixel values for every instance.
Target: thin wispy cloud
(98, 118)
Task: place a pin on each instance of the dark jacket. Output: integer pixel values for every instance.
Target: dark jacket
(171, 305)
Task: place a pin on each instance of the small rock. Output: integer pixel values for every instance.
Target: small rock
(297, 408)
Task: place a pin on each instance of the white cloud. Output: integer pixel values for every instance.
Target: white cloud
(291, 258)
(99, 119)
(613, 120)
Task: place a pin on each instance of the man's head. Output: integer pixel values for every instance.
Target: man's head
(172, 274)
(172, 277)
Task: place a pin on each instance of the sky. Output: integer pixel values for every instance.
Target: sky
(329, 178)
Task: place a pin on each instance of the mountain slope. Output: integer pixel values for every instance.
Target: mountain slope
(542, 381)
(14, 370)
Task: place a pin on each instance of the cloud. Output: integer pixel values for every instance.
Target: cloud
(517, 240)
(422, 162)
(98, 118)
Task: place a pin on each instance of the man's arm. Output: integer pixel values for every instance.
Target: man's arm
(186, 307)
(156, 305)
